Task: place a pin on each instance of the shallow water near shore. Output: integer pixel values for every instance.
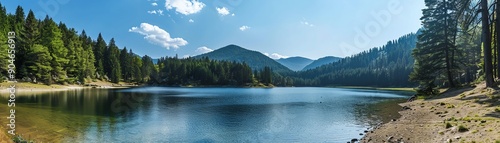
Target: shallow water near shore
(161, 114)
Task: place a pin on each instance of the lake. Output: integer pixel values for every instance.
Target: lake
(165, 114)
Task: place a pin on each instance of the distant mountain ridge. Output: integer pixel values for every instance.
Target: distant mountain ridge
(295, 63)
(321, 61)
(254, 59)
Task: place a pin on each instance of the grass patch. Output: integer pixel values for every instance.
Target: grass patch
(441, 133)
(497, 109)
(462, 95)
(462, 128)
(448, 125)
(452, 119)
(450, 106)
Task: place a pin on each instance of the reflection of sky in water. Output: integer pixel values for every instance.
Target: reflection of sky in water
(157, 114)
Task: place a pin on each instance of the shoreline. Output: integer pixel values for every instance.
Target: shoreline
(459, 115)
(402, 89)
(23, 87)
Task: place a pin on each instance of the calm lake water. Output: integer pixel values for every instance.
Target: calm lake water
(161, 114)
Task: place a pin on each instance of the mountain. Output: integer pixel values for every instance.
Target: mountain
(295, 63)
(385, 66)
(321, 61)
(254, 59)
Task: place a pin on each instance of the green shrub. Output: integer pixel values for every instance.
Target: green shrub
(462, 128)
(448, 125)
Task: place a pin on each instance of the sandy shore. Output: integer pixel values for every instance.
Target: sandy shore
(33, 88)
(462, 115)
(3, 136)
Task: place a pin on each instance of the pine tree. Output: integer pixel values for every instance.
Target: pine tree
(88, 57)
(4, 28)
(40, 65)
(29, 36)
(436, 47)
(488, 66)
(99, 50)
(17, 26)
(111, 62)
(74, 67)
(136, 67)
(51, 38)
(125, 63)
(146, 68)
(18, 20)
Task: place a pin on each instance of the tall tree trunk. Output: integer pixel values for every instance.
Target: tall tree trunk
(448, 68)
(497, 30)
(486, 44)
(448, 59)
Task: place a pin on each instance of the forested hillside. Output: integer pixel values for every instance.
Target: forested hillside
(49, 52)
(295, 63)
(321, 61)
(204, 71)
(254, 59)
(388, 65)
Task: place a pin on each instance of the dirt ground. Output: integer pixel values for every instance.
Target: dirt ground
(460, 115)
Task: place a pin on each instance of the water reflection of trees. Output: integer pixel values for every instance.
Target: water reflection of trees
(68, 115)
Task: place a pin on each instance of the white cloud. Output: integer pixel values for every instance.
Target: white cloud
(159, 12)
(244, 28)
(203, 50)
(275, 56)
(152, 12)
(307, 23)
(155, 35)
(185, 7)
(154, 4)
(232, 14)
(222, 11)
(191, 20)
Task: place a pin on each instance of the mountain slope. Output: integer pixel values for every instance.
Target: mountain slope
(295, 63)
(321, 61)
(254, 59)
(385, 66)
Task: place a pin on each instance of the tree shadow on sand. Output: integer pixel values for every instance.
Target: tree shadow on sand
(450, 92)
(489, 97)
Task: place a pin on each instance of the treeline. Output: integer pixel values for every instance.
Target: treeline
(389, 65)
(49, 52)
(52, 53)
(459, 44)
(203, 71)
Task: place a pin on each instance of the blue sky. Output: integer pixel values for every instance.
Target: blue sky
(279, 28)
